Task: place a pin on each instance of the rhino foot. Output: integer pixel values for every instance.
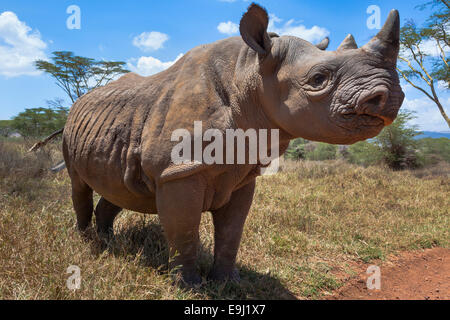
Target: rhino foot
(105, 237)
(218, 274)
(188, 280)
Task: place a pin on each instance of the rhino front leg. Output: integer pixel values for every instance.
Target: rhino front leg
(228, 226)
(180, 205)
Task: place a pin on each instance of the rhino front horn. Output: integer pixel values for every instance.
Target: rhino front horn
(387, 41)
(348, 43)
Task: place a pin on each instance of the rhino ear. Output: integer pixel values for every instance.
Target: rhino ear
(323, 45)
(253, 28)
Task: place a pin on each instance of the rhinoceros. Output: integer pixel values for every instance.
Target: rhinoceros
(118, 138)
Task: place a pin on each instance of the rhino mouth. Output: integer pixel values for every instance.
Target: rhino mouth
(366, 119)
(358, 126)
(368, 115)
(351, 119)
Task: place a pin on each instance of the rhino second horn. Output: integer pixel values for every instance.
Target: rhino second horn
(348, 43)
(387, 41)
(323, 45)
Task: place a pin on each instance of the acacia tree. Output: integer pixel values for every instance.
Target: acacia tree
(78, 75)
(38, 122)
(6, 128)
(418, 66)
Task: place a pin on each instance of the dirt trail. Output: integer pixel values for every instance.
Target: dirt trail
(418, 275)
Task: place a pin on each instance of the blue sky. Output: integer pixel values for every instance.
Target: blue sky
(150, 35)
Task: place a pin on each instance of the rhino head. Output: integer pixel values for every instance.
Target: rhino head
(338, 97)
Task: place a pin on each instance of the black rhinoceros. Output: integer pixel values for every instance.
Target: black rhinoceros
(117, 140)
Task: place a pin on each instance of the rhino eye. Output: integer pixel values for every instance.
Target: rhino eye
(318, 80)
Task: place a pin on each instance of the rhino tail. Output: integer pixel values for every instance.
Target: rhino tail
(59, 167)
(42, 143)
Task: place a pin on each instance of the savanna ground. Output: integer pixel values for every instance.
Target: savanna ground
(311, 229)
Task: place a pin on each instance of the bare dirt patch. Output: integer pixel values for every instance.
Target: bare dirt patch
(418, 275)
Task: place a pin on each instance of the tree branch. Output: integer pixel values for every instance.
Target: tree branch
(415, 86)
(414, 69)
(420, 62)
(442, 52)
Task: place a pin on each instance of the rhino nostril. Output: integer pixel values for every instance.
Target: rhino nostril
(374, 102)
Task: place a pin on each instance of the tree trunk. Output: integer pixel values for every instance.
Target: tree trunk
(441, 108)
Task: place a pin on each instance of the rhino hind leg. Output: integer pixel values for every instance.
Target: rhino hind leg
(105, 213)
(228, 226)
(82, 202)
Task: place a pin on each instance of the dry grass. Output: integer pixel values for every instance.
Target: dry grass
(305, 223)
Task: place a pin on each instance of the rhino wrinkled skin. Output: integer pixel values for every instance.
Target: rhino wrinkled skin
(117, 140)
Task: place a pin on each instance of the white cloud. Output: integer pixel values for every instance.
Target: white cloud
(431, 48)
(228, 28)
(291, 28)
(150, 41)
(428, 47)
(146, 66)
(428, 116)
(20, 46)
(406, 87)
(442, 85)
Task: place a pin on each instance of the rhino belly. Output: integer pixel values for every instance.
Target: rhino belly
(113, 189)
(123, 198)
(115, 173)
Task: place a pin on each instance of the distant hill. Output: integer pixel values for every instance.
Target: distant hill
(433, 134)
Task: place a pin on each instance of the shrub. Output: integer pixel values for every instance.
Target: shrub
(395, 146)
(364, 153)
(22, 173)
(398, 147)
(6, 128)
(435, 150)
(296, 149)
(39, 122)
(323, 151)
